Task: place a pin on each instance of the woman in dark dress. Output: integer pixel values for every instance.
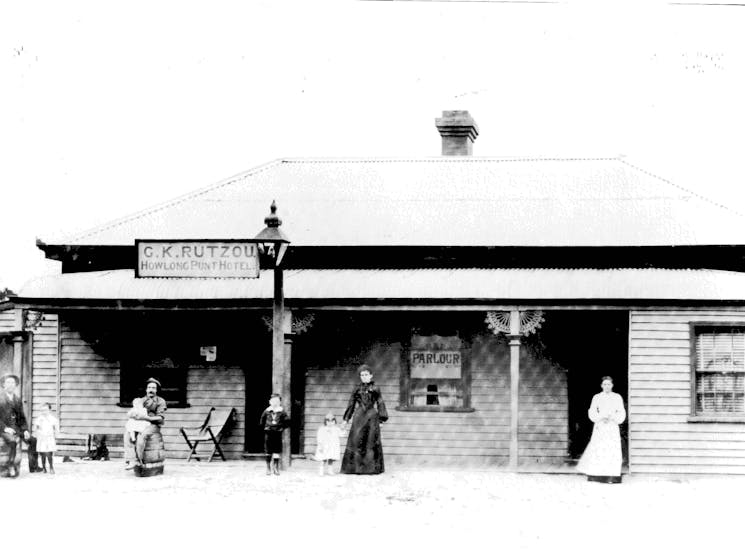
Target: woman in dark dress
(364, 452)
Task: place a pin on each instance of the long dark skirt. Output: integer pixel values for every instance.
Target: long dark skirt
(364, 452)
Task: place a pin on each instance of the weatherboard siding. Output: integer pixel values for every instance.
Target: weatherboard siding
(89, 397)
(7, 320)
(7, 324)
(45, 364)
(661, 438)
(478, 437)
(40, 359)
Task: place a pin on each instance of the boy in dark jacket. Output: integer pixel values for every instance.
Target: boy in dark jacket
(274, 420)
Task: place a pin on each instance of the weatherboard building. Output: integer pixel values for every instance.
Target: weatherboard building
(489, 295)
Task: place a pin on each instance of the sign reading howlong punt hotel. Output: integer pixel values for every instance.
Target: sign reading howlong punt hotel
(197, 259)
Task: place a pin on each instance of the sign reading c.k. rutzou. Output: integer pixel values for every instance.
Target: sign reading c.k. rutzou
(197, 259)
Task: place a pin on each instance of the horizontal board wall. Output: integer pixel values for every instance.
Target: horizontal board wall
(45, 341)
(661, 438)
(42, 341)
(7, 320)
(7, 324)
(89, 397)
(482, 436)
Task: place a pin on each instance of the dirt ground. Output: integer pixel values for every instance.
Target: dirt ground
(98, 509)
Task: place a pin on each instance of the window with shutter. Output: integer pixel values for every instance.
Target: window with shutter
(720, 371)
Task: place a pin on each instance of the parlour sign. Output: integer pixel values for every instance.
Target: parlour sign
(197, 259)
(435, 357)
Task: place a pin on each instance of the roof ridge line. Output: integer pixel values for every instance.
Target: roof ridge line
(175, 201)
(682, 188)
(441, 158)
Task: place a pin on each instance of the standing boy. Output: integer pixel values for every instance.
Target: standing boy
(274, 420)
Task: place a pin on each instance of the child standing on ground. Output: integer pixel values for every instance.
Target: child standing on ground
(274, 420)
(46, 428)
(328, 447)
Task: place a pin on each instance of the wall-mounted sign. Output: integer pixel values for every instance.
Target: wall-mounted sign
(197, 259)
(209, 352)
(435, 357)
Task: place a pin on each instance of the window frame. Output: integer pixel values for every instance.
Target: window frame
(696, 328)
(128, 389)
(405, 381)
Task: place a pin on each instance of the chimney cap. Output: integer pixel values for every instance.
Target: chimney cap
(457, 123)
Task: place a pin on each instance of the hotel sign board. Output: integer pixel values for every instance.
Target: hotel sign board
(197, 259)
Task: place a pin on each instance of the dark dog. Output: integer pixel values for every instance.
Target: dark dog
(33, 456)
(97, 449)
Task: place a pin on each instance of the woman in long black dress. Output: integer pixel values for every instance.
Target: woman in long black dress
(366, 409)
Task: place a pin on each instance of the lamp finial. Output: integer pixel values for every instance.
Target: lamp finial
(272, 220)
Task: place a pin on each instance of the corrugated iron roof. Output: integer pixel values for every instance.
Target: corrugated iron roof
(429, 284)
(443, 201)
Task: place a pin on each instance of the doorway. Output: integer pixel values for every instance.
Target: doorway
(589, 345)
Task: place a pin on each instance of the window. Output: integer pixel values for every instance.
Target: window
(436, 375)
(172, 378)
(719, 370)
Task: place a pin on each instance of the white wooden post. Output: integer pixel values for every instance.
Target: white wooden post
(514, 337)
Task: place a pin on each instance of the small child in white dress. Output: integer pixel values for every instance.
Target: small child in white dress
(45, 429)
(328, 445)
(134, 424)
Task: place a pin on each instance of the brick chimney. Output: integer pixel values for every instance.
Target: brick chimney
(458, 131)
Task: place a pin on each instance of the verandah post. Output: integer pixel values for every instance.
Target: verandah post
(286, 386)
(278, 345)
(21, 363)
(514, 337)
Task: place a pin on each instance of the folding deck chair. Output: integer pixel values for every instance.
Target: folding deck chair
(217, 423)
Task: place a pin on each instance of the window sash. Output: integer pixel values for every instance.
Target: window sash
(720, 372)
(436, 392)
(435, 374)
(720, 351)
(173, 384)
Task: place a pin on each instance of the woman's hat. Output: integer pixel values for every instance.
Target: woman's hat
(10, 375)
(155, 380)
(330, 416)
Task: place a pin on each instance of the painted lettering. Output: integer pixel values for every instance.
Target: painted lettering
(435, 358)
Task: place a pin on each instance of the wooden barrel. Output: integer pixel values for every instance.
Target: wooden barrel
(4, 465)
(153, 456)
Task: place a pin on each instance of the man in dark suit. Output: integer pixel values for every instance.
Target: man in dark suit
(12, 420)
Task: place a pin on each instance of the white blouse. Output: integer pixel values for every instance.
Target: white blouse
(608, 406)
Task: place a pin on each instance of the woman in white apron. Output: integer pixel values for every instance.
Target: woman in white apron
(602, 458)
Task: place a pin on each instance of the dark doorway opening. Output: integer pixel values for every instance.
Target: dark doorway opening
(258, 390)
(259, 387)
(589, 345)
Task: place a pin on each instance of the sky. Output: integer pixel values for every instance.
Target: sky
(109, 108)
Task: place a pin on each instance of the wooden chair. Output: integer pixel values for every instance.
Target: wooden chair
(216, 424)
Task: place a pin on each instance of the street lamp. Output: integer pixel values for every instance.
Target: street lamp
(272, 242)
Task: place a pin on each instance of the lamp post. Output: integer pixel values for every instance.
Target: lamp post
(272, 242)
